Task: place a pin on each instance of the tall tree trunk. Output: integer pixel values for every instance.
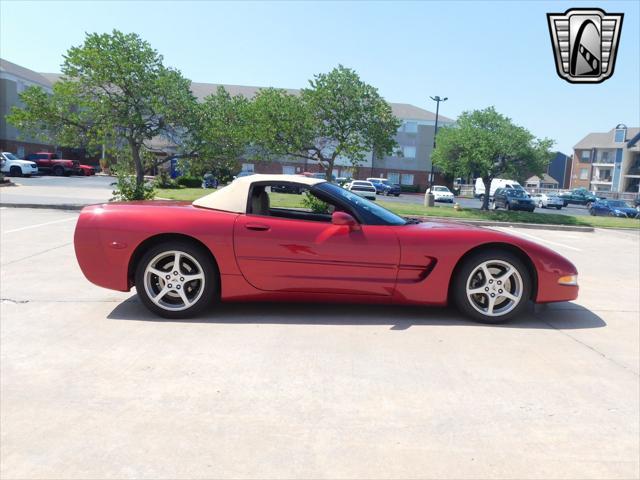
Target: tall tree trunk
(137, 161)
(487, 192)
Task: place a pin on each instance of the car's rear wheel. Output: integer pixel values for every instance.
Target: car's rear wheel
(558, 207)
(176, 279)
(15, 171)
(492, 286)
(58, 171)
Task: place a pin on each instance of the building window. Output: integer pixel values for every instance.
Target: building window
(584, 173)
(406, 179)
(409, 152)
(411, 127)
(585, 156)
(620, 135)
(247, 167)
(288, 169)
(394, 177)
(604, 157)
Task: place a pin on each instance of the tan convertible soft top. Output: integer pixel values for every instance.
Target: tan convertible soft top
(233, 197)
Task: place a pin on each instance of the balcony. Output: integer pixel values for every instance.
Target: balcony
(605, 180)
(634, 172)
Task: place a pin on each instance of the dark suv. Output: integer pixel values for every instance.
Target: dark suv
(513, 199)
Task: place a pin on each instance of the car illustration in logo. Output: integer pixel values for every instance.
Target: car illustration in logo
(585, 43)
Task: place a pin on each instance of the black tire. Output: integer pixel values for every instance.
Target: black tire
(463, 272)
(58, 171)
(558, 207)
(15, 171)
(211, 286)
(565, 204)
(396, 194)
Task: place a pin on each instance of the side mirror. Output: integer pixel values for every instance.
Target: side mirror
(342, 218)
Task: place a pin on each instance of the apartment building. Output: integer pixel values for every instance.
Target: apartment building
(608, 161)
(14, 79)
(409, 164)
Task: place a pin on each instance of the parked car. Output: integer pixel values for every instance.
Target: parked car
(384, 187)
(343, 180)
(86, 170)
(513, 199)
(496, 183)
(441, 194)
(613, 208)
(578, 196)
(363, 188)
(209, 181)
(15, 167)
(287, 188)
(547, 200)
(232, 245)
(50, 163)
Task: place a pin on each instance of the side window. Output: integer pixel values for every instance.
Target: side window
(288, 200)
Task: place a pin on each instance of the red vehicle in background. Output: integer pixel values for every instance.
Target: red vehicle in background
(86, 170)
(51, 163)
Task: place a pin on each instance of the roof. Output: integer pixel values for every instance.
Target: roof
(201, 90)
(233, 197)
(604, 139)
(545, 179)
(400, 110)
(22, 72)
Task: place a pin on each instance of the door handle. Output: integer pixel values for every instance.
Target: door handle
(257, 226)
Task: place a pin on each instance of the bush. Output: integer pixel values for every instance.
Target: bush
(410, 188)
(189, 182)
(163, 180)
(314, 203)
(128, 189)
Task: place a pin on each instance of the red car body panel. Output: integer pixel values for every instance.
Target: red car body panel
(269, 258)
(86, 170)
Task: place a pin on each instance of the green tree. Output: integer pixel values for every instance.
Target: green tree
(338, 115)
(218, 135)
(488, 144)
(114, 88)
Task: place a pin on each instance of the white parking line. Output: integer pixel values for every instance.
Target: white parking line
(38, 225)
(539, 239)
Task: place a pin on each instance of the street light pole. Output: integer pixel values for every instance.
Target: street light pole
(436, 99)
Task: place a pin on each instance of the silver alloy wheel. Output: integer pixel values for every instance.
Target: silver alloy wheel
(494, 288)
(174, 280)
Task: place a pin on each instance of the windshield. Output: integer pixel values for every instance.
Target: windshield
(440, 189)
(365, 207)
(10, 156)
(618, 204)
(512, 192)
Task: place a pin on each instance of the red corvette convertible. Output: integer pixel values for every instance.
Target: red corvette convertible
(240, 244)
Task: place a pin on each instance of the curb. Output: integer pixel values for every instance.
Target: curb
(489, 223)
(61, 206)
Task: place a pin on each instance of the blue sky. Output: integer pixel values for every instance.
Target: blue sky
(476, 53)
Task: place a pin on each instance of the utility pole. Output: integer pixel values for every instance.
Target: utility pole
(436, 99)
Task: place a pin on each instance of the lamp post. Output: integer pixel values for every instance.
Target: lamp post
(429, 198)
(436, 99)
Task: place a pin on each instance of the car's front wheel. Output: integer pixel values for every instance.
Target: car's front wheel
(176, 279)
(492, 286)
(15, 171)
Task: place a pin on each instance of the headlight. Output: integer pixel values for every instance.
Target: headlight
(570, 280)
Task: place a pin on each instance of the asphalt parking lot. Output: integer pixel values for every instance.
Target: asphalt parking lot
(93, 386)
